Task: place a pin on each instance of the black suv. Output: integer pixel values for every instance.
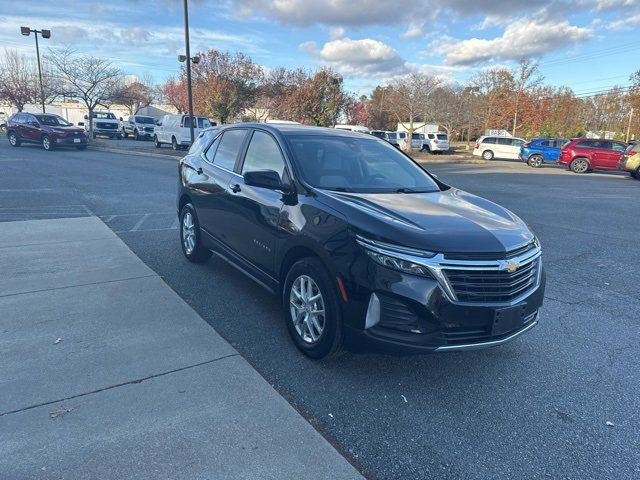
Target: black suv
(364, 248)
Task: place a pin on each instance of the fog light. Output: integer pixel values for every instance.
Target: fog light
(373, 312)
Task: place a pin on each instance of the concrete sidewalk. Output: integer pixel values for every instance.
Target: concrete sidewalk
(105, 373)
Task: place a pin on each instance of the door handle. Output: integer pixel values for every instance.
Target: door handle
(235, 188)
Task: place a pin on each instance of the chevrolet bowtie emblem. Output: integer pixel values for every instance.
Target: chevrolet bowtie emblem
(510, 266)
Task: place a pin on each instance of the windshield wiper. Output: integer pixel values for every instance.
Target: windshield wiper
(411, 190)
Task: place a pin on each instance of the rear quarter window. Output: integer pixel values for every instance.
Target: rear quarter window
(584, 144)
(489, 140)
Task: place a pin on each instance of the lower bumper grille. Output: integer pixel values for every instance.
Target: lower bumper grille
(463, 336)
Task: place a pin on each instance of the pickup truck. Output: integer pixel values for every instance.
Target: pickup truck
(104, 123)
(140, 127)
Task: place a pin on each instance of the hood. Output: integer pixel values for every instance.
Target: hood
(447, 222)
(69, 129)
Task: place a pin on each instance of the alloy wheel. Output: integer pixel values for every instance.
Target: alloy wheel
(188, 233)
(13, 140)
(580, 165)
(307, 309)
(46, 143)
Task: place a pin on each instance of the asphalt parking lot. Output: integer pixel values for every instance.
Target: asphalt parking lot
(560, 402)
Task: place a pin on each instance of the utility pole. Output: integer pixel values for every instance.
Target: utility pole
(188, 52)
(45, 34)
(629, 125)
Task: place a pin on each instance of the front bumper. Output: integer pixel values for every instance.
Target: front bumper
(106, 131)
(70, 141)
(416, 316)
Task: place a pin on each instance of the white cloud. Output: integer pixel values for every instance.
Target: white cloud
(520, 39)
(413, 32)
(627, 23)
(336, 32)
(361, 57)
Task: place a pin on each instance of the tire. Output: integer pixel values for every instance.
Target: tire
(124, 133)
(118, 137)
(635, 174)
(311, 340)
(174, 144)
(156, 142)
(14, 141)
(535, 161)
(94, 136)
(189, 225)
(136, 137)
(579, 165)
(46, 142)
(81, 147)
(487, 155)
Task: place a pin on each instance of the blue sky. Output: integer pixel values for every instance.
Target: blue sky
(586, 44)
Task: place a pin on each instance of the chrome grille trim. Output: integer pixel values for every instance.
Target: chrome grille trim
(438, 265)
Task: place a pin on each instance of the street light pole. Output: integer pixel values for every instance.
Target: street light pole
(45, 34)
(629, 124)
(188, 52)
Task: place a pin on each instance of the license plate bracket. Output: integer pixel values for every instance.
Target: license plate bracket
(508, 319)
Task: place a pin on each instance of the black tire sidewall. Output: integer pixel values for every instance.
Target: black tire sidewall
(332, 334)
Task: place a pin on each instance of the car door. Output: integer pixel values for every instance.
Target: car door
(554, 150)
(513, 148)
(30, 128)
(502, 147)
(214, 206)
(256, 227)
(600, 150)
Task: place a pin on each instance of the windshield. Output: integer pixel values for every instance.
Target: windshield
(52, 120)
(362, 165)
(149, 120)
(104, 116)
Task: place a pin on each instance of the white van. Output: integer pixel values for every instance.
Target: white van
(498, 147)
(174, 130)
(435, 142)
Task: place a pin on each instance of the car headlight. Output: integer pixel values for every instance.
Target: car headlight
(398, 264)
(396, 257)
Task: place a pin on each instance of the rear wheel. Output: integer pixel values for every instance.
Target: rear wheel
(47, 144)
(579, 165)
(312, 310)
(190, 238)
(487, 155)
(535, 161)
(14, 140)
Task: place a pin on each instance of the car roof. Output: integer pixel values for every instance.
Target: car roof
(299, 129)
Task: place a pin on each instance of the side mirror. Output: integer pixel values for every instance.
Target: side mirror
(120, 118)
(81, 124)
(265, 179)
(33, 123)
(86, 117)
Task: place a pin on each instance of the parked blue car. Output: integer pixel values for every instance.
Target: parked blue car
(541, 150)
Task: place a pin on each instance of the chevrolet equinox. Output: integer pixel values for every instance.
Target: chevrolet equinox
(364, 248)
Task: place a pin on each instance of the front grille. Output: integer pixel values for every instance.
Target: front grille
(106, 126)
(491, 255)
(492, 286)
(148, 129)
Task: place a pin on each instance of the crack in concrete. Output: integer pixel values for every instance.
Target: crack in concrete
(130, 382)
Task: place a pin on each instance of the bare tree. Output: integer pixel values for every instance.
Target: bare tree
(408, 100)
(527, 77)
(134, 95)
(18, 79)
(92, 80)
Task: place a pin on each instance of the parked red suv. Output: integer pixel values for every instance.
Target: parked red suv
(48, 130)
(584, 154)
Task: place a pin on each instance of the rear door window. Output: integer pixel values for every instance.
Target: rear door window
(504, 141)
(585, 144)
(229, 148)
(618, 147)
(546, 143)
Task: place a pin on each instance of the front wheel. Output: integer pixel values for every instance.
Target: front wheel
(156, 143)
(535, 161)
(190, 238)
(312, 310)
(14, 141)
(579, 165)
(174, 143)
(487, 155)
(47, 144)
(635, 174)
